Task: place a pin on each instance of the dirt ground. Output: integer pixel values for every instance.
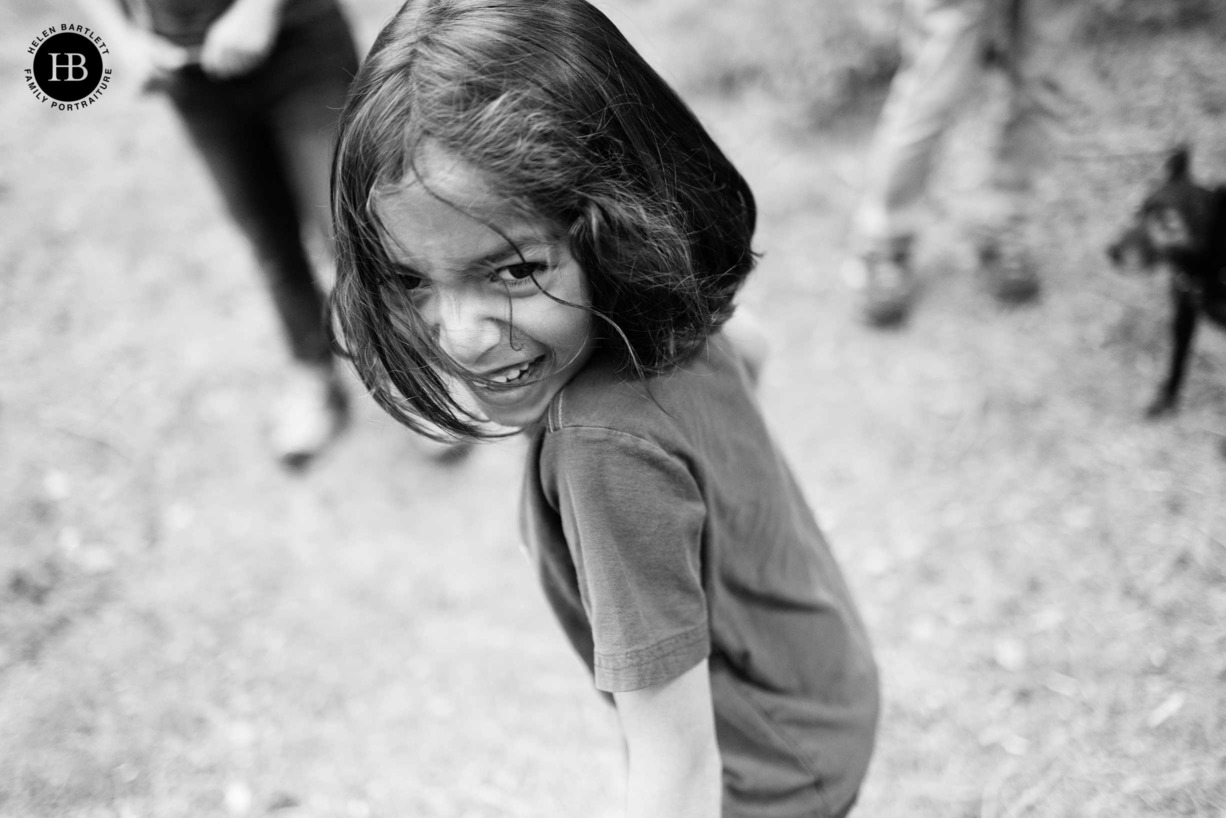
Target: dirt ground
(186, 630)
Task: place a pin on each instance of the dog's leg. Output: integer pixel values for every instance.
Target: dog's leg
(1184, 328)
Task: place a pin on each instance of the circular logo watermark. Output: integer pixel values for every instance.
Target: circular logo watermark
(68, 71)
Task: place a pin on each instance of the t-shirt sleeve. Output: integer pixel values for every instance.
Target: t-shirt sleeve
(633, 520)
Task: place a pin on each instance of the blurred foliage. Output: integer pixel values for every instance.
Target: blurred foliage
(822, 52)
(830, 53)
(1120, 16)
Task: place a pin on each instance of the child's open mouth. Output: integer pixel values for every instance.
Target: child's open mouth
(514, 376)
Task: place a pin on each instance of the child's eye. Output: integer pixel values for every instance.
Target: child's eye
(517, 273)
(406, 286)
(401, 277)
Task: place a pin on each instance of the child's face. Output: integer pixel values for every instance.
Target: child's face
(488, 282)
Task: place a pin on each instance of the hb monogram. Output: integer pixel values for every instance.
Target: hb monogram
(74, 63)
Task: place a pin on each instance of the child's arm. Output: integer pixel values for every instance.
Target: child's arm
(674, 760)
(241, 38)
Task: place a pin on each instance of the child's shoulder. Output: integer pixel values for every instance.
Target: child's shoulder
(607, 396)
(603, 395)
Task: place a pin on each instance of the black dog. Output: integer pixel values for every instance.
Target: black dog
(1181, 225)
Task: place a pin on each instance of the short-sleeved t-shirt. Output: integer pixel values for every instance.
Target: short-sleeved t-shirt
(666, 528)
(185, 21)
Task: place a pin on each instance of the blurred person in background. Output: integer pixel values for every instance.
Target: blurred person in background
(258, 85)
(948, 48)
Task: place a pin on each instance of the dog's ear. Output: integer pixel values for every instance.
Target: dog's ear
(1177, 163)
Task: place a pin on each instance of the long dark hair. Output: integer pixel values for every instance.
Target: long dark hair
(566, 119)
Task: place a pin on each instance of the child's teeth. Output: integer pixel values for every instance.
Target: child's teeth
(513, 375)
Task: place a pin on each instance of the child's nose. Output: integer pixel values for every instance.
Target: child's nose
(468, 327)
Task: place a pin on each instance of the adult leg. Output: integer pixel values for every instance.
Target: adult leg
(315, 63)
(226, 122)
(315, 66)
(1035, 48)
(303, 89)
(242, 156)
(942, 58)
(936, 76)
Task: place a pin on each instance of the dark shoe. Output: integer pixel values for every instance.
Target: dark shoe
(311, 412)
(1008, 273)
(885, 284)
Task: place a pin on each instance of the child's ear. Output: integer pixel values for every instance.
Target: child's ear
(1177, 164)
